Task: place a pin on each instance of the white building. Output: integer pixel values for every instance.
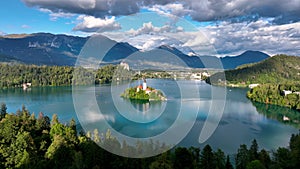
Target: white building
(144, 85)
(298, 93)
(285, 118)
(251, 86)
(26, 85)
(286, 92)
(196, 76)
(205, 74)
(125, 65)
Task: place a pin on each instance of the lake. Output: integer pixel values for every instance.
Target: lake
(241, 122)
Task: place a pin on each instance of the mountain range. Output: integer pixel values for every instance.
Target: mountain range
(50, 49)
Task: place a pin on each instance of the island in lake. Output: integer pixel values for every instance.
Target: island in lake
(144, 93)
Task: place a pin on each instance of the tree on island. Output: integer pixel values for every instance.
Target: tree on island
(143, 92)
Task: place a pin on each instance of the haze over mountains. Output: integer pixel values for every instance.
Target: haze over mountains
(49, 49)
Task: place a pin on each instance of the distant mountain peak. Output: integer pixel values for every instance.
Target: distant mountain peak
(165, 46)
(50, 49)
(16, 36)
(171, 49)
(232, 62)
(252, 51)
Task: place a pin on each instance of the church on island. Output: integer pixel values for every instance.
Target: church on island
(143, 92)
(143, 87)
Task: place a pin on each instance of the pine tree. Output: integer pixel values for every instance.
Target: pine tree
(207, 158)
(242, 157)
(253, 152)
(228, 164)
(3, 111)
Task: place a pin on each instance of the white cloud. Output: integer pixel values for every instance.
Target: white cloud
(92, 24)
(243, 23)
(25, 26)
(259, 35)
(149, 42)
(207, 10)
(180, 40)
(225, 38)
(175, 9)
(97, 8)
(148, 28)
(201, 10)
(56, 15)
(2, 33)
(149, 37)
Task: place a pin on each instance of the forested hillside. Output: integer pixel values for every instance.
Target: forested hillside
(14, 75)
(273, 76)
(274, 94)
(277, 69)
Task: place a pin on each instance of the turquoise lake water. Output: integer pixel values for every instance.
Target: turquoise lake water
(240, 123)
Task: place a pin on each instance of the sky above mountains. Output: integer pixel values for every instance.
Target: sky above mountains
(222, 27)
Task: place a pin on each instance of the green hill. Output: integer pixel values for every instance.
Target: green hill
(276, 69)
(274, 75)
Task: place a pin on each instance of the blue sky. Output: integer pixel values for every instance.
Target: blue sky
(32, 20)
(230, 26)
(16, 17)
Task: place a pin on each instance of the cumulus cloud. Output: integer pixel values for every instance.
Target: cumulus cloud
(259, 35)
(92, 24)
(283, 11)
(201, 10)
(149, 42)
(56, 15)
(97, 8)
(175, 9)
(179, 40)
(266, 25)
(148, 28)
(226, 38)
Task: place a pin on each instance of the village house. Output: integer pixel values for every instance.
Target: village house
(125, 65)
(286, 92)
(26, 85)
(251, 86)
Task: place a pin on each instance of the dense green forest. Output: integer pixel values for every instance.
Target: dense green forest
(273, 94)
(27, 141)
(14, 75)
(275, 70)
(275, 74)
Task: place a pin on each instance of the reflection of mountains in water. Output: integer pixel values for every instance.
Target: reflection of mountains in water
(278, 113)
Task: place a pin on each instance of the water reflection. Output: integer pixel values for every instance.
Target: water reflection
(141, 105)
(281, 114)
